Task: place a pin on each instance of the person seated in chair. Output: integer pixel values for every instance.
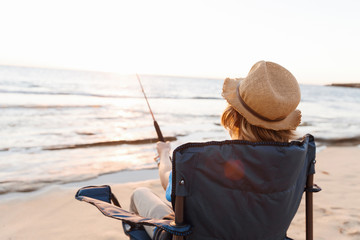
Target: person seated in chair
(262, 108)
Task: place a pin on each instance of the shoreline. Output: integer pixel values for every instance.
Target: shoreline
(121, 177)
(54, 213)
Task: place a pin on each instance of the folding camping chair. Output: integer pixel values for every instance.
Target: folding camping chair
(228, 190)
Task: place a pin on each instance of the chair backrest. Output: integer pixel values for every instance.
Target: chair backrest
(241, 190)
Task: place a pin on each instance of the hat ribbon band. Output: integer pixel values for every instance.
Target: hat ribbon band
(254, 112)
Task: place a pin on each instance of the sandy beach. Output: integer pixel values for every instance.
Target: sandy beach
(53, 213)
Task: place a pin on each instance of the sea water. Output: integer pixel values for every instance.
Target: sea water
(60, 126)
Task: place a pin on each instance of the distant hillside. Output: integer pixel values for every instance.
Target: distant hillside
(351, 85)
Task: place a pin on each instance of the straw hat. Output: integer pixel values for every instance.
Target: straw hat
(267, 97)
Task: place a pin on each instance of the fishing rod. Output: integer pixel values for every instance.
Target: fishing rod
(156, 125)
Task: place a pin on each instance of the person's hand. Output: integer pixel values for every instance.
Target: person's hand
(163, 150)
(163, 147)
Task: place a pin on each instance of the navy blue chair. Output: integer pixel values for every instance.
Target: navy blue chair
(227, 190)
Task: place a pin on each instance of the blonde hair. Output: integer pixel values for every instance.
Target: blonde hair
(240, 128)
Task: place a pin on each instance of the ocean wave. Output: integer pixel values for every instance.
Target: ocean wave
(62, 93)
(103, 95)
(23, 186)
(31, 186)
(109, 143)
(26, 186)
(8, 106)
(207, 98)
(88, 145)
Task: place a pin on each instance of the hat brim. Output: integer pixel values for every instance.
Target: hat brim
(230, 94)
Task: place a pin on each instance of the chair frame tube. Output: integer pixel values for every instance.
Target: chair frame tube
(309, 208)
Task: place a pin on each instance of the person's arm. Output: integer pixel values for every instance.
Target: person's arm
(165, 165)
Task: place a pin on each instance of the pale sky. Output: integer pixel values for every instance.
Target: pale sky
(317, 40)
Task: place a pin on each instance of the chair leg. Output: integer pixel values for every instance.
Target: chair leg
(179, 214)
(309, 208)
(177, 237)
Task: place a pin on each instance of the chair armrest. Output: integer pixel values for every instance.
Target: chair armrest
(94, 196)
(102, 193)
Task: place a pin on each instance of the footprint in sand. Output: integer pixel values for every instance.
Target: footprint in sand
(336, 208)
(324, 211)
(350, 228)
